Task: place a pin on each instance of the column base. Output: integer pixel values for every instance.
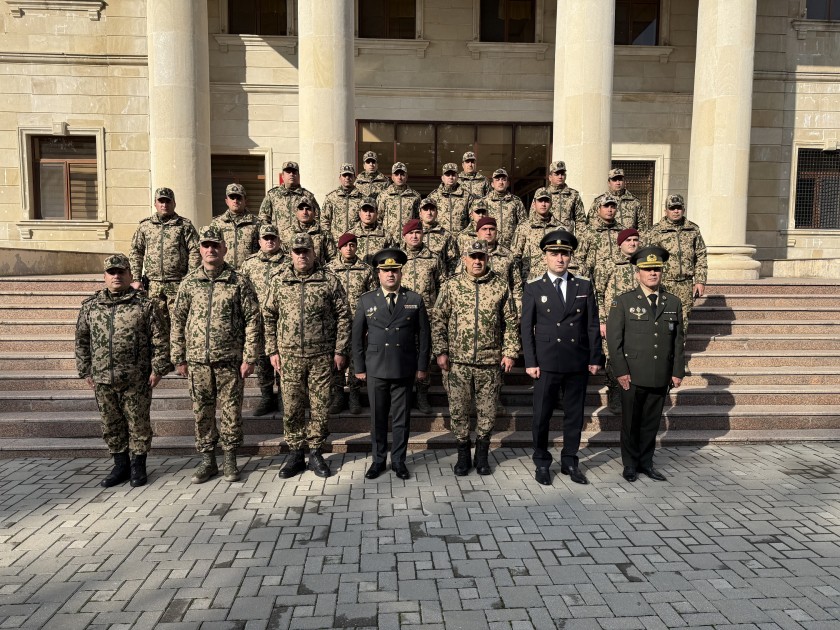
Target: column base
(733, 263)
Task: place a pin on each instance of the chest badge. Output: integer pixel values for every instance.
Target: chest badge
(370, 311)
(639, 312)
(543, 299)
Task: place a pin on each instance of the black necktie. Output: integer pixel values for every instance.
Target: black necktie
(652, 298)
(559, 286)
(391, 297)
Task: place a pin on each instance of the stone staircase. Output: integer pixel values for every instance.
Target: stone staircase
(764, 362)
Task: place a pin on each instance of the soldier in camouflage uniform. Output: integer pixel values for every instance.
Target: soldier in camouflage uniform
(422, 273)
(215, 342)
(474, 332)
(505, 207)
(436, 237)
(239, 228)
(598, 243)
(305, 222)
(370, 235)
(398, 203)
(259, 269)
(566, 204)
(356, 277)
(471, 179)
(499, 258)
(164, 249)
(630, 213)
(341, 207)
(371, 182)
(122, 352)
(454, 200)
(282, 201)
(687, 268)
(610, 282)
(307, 335)
(526, 241)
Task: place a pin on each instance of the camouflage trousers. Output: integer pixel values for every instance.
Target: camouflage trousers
(212, 384)
(683, 289)
(125, 416)
(347, 377)
(266, 376)
(300, 374)
(465, 384)
(165, 293)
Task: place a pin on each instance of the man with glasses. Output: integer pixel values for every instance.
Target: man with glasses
(629, 211)
(341, 207)
(371, 182)
(471, 179)
(453, 200)
(398, 203)
(239, 227)
(280, 202)
(505, 207)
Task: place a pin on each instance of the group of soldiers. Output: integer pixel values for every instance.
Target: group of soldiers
(276, 292)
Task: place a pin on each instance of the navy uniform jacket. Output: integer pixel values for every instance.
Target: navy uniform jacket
(398, 344)
(559, 339)
(649, 347)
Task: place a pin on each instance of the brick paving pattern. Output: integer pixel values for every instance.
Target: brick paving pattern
(740, 537)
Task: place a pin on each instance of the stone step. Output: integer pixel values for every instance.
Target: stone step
(720, 327)
(49, 312)
(724, 361)
(87, 283)
(702, 314)
(776, 286)
(757, 342)
(35, 299)
(804, 300)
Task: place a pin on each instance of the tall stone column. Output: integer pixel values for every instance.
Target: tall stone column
(325, 92)
(719, 162)
(179, 104)
(583, 80)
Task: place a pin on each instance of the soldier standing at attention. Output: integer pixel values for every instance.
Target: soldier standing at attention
(499, 258)
(280, 202)
(370, 235)
(474, 332)
(305, 222)
(239, 227)
(164, 249)
(371, 182)
(398, 203)
(686, 269)
(215, 339)
(645, 337)
(341, 207)
(505, 207)
(307, 335)
(566, 204)
(436, 237)
(453, 200)
(260, 269)
(630, 213)
(391, 343)
(526, 241)
(598, 245)
(471, 179)
(122, 352)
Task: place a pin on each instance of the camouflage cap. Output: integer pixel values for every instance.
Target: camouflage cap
(449, 166)
(235, 189)
(369, 155)
(675, 201)
(116, 261)
(164, 193)
(609, 199)
(469, 155)
(291, 166)
(269, 230)
(650, 257)
(347, 169)
(304, 202)
(399, 166)
(389, 258)
(368, 202)
(500, 172)
(477, 248)
(302, 240)
(428, 201)
(616, 172)
(559, 241)
(479, 207)
(210, 234)
(557, 166)
(542, 193)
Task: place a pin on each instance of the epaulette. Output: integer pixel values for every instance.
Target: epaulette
(92, 297)
(537, 279)
(146, 219)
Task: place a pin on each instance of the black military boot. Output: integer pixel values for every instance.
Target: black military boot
(230, 470)
(268, 401)
(337, 402)
(138, 470)
(120, 473)
(614, 399)
(464, 463)
(422, 402)
(294, 464)
(355, 403)
(318, 465)
(206, 469)
(482, 465)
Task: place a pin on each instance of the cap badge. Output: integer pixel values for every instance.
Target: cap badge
(651, 258)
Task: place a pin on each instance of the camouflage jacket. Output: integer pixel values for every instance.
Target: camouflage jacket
(341, 211)
(423, 274)
(438, 239)
(630, 213)
(241, 234)
(306, 316)
(325, 248)
(260, 268)
(597, 247)
(280, 204)
(526, 244)
(216, 319)
(508, 211)
(164, 250)
(396, 207)
(475, 321)
(612, 281)
(500, 259)
(372, 185)
(454, 206)
(476, 184)
(567, 208)
(356, 277)
(121, 338)
(371, 240)
(687, 248)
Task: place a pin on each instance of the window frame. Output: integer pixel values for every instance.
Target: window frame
(264, 153)
(539, 25)
(660, 39)
(66, 163)
(418, 25)
(795, 170)
(291, 21)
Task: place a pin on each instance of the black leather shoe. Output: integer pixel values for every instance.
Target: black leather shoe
(542, 475)
(400, 470)
(575, 474)
(295, 464)
(630, 474)
(318, 465)
(653, 474)
(376, 469)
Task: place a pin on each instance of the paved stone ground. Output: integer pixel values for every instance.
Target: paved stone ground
(740, 537)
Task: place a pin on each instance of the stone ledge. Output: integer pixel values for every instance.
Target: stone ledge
(803, 27)
(644, 53)
(93, 8)
(28, 227)
(507, 49)
(393, 46)
(70, 58)
(280, 43)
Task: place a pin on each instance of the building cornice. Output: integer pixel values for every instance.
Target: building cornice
(69, 58)
(93, 8)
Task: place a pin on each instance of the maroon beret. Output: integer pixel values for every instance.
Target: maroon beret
(410, 226)
(346, 238)
(485, 221)
(625, 234)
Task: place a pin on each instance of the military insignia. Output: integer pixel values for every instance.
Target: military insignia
(638, 311)
(410, 306)
(671, 326)
(652, 258)
(370, 311)
(543, 299)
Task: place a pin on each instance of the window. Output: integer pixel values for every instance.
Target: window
(388, 19)
(65, 177)
(248, 170)
(639, 179)
(258, 17)
(636, 22)
(817, 204)
(508, 21)
(822, 9)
